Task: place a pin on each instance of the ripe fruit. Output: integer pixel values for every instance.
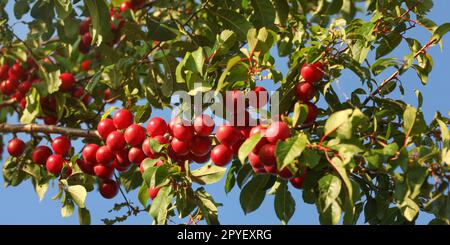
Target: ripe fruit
(259, 130)
(123, 119)
(262, 97)
(67, 82)
(312, 113)
(116, 165)
(156, 126)
(124, 6)
(24, 87)
(54, 164)
(108, 189)
(87, 39)
(105, 127)
(61, 145)
(116, 141)
(285, 173)
(174, 121)
(153, 192)
(200, 159)
(304, 91)
(84, 25)
(267, 155)
(297, 182)
(136, 155)
(8, 87)
(135, 135)
(203, 125)
(147, 149)
(16, 147)
(50, 120)
(122, 158)
(86, 65)
(235, 102)
(4, 72)
(227, 135)
(183, 132)
(277, 131)
(271, 169)
(40, 154)
(221, 155)
(255, 162)
(103, 171)
(200, 146)
(86, 167)
(16, 72)
(181, 148)
(312, 73)
(104, 155)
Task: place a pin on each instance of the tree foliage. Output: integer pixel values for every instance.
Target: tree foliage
(370, 155)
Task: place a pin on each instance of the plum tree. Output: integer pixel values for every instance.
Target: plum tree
(89, 78)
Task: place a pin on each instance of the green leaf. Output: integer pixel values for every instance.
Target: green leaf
(282, 9)
(284, 203)
(208, 174)
(78, 194)
(234, 21)
(264, 15)
(413, 121)
(207, 206)
(231, 178)
(108, 112)
(159, 207)
(159, 31)
(231, 63)
(63, 8)
(143, 195)
(33, 107)
(253, 193)
(199, 59)
(388, 43)
(84, 216)
(248, 146)
(445, 134)
(21, 7)
(67, 209)
(440, 32)
(94, 81)
(40, 189)
(287, 151)
(340, 168)
(101, 27)
(382, 64)
(329, 189)
(339, 122)
(332, 215)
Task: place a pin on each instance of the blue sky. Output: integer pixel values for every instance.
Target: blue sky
(20, 205)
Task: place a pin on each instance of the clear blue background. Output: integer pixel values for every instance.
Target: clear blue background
(20, 205)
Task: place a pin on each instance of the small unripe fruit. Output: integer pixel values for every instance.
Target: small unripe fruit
(277, 131)
(54, 164)
(115, 141)
(61, 145)
(221, 155)
(203, 125)
(312, 73)
(108, 189)
(135, 135)
(304, 91)
(105, 127)
(40, 154)
(123, 119)
(16, 147)
(104, 155)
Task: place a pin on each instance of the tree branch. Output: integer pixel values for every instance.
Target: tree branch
(48, 129)
(7, 103)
